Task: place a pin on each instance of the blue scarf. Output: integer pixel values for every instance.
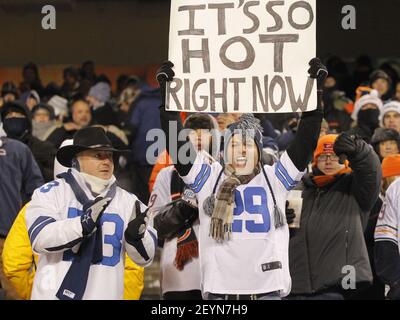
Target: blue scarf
(90, 251)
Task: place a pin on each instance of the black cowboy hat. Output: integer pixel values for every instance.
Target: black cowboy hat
(90, 138)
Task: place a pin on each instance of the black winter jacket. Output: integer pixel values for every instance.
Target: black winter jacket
(43, 151)
(333, 220)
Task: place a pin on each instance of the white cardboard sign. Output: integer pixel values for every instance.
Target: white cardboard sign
(242, 56)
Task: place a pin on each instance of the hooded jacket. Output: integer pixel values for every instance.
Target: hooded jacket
(332, 224)
(20, 176)
(43, 151)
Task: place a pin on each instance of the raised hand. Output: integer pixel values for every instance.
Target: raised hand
(318, 71)
(164, 75)
(346, 146)
(137, 227)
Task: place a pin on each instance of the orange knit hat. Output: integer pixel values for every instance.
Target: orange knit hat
(325, 145)
(391, 166)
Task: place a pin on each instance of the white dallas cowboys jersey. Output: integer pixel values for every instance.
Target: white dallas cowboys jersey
(173, 279)
(53, 222)
(388, 222)
(255, 260)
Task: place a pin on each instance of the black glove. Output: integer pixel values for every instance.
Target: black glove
(171, 220)
(290, 215)
(318, 71)
(164, 74)
(346, 146)
(92, 213)
(136, 228)
(293, 124)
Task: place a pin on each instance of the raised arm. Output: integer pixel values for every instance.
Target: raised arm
(305, 141)
(164, 75)
(366, 168)
(140, 238)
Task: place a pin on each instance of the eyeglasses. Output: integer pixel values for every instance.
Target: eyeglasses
(324, 157)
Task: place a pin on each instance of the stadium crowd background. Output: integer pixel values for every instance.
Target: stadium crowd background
(55, 98)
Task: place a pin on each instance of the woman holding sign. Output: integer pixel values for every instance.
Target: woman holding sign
(243, 236)
(243, 233)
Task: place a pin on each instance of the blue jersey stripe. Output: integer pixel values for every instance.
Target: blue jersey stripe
(153, 236)
(203, 181)
(283, 170)
(65, 246)
(36, 223)
(39, 227)
(283, 180)
(199, 176)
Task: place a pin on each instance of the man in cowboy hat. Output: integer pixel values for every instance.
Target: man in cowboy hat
(81, 224)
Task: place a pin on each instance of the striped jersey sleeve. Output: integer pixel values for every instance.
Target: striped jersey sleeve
(387, 226)
(198, 174)
(49, 229)
(286, 173)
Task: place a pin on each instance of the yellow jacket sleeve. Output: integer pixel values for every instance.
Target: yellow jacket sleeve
(133, 280)
(18, 258)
